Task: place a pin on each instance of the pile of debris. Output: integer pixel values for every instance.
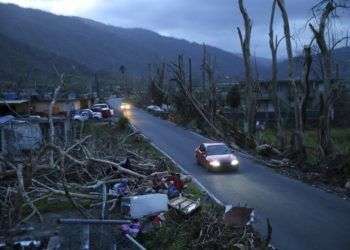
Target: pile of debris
(108, 176)
(95, 172)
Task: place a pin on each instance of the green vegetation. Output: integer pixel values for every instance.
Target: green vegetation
(340, 136)
(204, 229)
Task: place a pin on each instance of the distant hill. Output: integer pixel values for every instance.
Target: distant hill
(341, 56)
(21, 62)
(104, 47)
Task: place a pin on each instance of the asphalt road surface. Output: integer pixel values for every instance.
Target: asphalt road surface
(302, 217)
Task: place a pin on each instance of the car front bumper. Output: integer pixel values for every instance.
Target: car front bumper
(223, 167)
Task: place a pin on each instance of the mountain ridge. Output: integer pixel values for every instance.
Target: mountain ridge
(102, 47)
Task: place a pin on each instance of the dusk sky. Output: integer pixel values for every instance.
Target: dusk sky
(211, 21)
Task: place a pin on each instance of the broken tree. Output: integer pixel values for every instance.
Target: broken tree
(329, 93)
(298, 147)
(250, 85)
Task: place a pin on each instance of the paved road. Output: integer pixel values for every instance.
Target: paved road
(302, 217)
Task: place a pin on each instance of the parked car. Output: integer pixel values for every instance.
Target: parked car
(157, 111)
(216, 157)
(154, 109)
(104, 109)
(86, 114)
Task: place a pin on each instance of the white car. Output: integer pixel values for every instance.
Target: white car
(104, 109)
(154, 108)
(86, 114)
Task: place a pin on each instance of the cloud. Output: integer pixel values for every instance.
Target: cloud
(212, 22)
(61, 7)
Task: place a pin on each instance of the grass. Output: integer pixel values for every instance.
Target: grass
(340, 136)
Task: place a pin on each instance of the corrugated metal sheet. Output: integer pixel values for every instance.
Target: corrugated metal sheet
(5, 119)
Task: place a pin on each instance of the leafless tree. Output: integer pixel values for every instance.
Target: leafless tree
(274, 44)
(209, 69)
(329, 93)
(251, 95)
(305, 82)
(50, 115)
(297, 142)
(179, 74)
(157, 81)
(204, 82)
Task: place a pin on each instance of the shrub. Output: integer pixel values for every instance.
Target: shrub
(123, 122)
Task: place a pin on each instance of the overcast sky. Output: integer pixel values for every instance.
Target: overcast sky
(211, 21)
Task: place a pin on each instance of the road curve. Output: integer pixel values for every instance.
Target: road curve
(302, 217)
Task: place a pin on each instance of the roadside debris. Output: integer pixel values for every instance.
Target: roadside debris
(279, 163)
(347, 185)
(144, 205)
(239, 216)
(184, 205)
(267, 150)
(132, 228)
(98, 172)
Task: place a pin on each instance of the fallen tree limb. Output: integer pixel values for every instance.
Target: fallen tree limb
(120, 169)
(60, 192)
(19, 171)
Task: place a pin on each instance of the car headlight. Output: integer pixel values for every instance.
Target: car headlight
(234, 162)
(215, 163)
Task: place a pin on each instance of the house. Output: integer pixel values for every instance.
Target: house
(8, 107)
(25, 134)
(62, 106)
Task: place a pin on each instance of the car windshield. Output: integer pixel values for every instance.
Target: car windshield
(218, 150)
(101, 106)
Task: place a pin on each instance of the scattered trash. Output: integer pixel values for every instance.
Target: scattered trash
(177, 181)
(347, 185)
(239, 246)
(144, 205)
(184, 205)
(280, 163)
(172, 190)
(159, 219)
(239, 216)
(267, 150)
(28, 243)
(132, 228)
(120, 188)
(54, 243)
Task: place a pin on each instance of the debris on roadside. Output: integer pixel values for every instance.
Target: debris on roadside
(279, 163)
(132, 228)
(239, 216)
(347, 185)
(139, 206)
(102, 177)
(267, 150)
(184, 205)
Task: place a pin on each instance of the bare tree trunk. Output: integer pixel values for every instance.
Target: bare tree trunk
(180, 79)
(203, 71)
(210, 71)
(51, 123)
(190, 83)
(274, 43)
(249, 82)
(301, 94)
(306, 82)
(298, 135)
(328, 95)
